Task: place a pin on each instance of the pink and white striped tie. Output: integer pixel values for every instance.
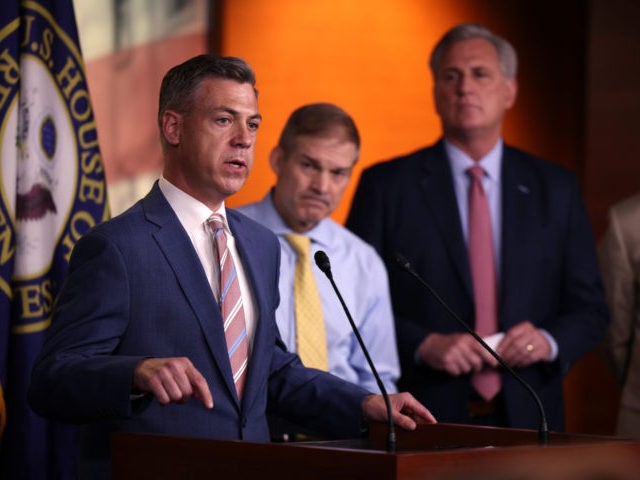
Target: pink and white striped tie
(487, 382)
(230, 301)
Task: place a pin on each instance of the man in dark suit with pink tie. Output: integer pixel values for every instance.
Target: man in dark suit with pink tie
(501, 235)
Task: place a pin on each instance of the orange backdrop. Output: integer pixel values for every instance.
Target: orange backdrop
(371, 58)
(368, 57)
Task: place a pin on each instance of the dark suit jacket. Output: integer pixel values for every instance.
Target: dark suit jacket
(137, 289)
(548, 275)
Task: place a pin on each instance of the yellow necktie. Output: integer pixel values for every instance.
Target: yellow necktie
(311, 334)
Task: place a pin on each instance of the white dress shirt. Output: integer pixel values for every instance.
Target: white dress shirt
(193, 216)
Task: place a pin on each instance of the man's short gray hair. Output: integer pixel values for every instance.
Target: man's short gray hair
(507, 56)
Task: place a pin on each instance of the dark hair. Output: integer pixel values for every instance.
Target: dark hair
(318, 119)
(180, 82)
(507, 55)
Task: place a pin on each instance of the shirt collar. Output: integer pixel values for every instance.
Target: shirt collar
(320, 234)
(460, 162)
(192, 213)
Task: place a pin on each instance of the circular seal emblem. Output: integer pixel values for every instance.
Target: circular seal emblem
(52, 187)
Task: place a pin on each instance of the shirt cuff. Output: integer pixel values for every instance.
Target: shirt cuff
(553, 343)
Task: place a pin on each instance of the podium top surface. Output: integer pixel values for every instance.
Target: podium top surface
(436, 452)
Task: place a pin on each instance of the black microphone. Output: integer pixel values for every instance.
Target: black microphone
(322, 261)
(543, 431)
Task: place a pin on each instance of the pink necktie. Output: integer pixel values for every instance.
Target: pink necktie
(487, 382)
(230, 301)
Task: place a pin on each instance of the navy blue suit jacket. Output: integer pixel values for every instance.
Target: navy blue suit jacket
(549, 273)
(137, 289)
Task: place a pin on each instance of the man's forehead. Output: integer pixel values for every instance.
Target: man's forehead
(227, 96)
(226, 88)
(327, 152)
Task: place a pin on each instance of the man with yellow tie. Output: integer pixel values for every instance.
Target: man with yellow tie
(313, 162)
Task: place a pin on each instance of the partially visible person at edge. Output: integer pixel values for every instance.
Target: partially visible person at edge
(501, 235)
(313, 161)
(620, 264)
(137, 342)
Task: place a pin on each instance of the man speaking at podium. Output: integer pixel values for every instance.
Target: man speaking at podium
(502, 236)
(165, 323)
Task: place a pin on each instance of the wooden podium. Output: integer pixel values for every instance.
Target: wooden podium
(435, 452)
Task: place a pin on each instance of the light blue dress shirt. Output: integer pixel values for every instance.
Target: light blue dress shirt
(361, 277)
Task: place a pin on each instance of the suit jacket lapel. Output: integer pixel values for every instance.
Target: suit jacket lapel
(518, 196)
(439, 193)
(180, 254)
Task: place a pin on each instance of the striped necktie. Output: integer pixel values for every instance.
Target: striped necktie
(230, 301)
(487, 382)
(310, 328)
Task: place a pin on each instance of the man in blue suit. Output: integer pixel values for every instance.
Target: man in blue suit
(547, 302)
(137, 341)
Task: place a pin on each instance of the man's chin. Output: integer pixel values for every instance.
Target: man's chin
(310, 220)
(234, 186)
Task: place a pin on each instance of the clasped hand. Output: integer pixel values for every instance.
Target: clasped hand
(460, 353)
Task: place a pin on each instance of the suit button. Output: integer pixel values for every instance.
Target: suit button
(243, 422)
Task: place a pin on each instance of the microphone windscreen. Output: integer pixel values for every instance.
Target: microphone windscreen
(322, 261)
(402, 261)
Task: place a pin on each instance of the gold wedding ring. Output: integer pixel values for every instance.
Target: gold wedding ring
(529, 347)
